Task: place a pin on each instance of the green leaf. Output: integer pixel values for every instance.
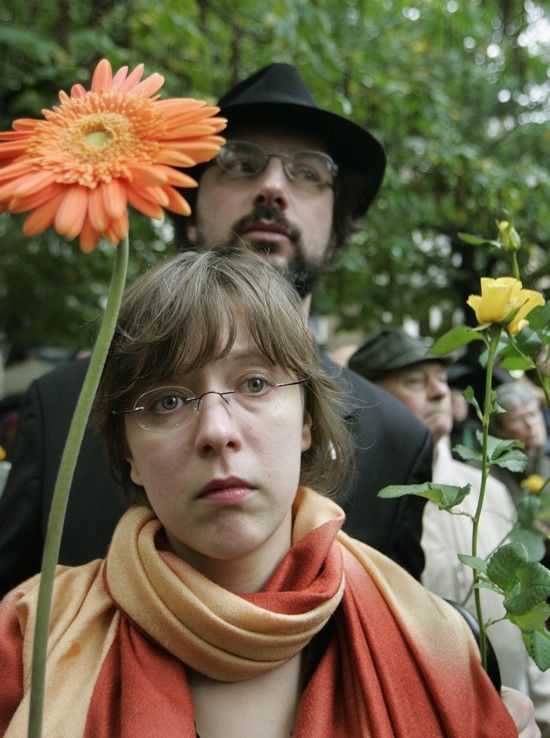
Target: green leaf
(499, 447)
(532, 540)
(534, 619)
(540, 649)
(476, 240)
(514, 361)
(470, 397)
(454, 339)
(445, 496)
(533, 586)
(468, 454)
(501, 567)
(515, 461)
(474, 562)
(539, 318)
(528, 506)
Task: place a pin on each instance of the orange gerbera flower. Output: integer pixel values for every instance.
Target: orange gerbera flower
(102, 149)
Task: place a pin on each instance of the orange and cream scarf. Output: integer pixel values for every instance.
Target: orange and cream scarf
(400, 661)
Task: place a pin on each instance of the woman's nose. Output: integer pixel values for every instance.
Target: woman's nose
(217, 426)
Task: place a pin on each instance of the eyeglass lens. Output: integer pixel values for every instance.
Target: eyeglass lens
(163, 409)
(243, 159)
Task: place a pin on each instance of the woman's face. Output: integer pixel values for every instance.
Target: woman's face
(223, 483)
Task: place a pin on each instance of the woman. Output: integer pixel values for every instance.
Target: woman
(229, 603)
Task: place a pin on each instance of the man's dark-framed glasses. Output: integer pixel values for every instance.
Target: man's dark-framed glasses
(243, 159)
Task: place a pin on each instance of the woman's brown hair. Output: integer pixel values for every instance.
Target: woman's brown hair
(182, 315)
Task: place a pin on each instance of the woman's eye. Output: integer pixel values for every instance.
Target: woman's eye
(167, 404)
(254, 386)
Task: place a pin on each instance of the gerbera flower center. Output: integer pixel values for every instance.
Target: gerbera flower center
(92, 138)
(98, 139)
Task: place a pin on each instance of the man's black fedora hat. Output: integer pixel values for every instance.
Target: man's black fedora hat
(278, 93)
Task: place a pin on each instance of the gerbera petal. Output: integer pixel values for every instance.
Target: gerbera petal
(147, 174)
(12, 149)
(149, 86)
(144, 206)
(43, 217)
(119, 226)
(17, 169)
(7, 189)
(102, 77)
(119, 77)
(21, 204)
(175, 177)
(72, 211)
(77, 91)
(177, 119)
(25, 124)
(176, 202)
(179, 103)
(197, 150)
(89, 237)
(154, 194)
(111, 236)
(115, 198)
(132, 79)
(14, 135)
(34, 183)
(174, 158)
(97, 212)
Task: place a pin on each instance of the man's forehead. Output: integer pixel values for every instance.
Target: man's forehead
(428, 367)
(276, 136)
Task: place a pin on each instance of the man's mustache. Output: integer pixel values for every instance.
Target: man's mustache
(273, 215)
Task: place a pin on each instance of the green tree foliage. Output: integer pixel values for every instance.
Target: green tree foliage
(457, 92)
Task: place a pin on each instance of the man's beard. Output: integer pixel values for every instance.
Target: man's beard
(302, 273)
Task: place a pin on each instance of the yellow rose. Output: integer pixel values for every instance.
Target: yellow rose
(533, 483)
(500, 297)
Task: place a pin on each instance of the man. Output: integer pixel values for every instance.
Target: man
(289, 184)
(401, 364)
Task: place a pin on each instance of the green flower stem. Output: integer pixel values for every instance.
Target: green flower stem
(515, 266)
(63, 485)
(494, 338)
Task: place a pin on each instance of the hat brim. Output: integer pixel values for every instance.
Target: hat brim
(358, 154)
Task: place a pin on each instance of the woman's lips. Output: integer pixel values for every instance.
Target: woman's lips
(226, 491)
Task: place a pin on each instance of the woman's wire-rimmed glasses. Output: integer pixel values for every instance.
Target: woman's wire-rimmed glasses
(167, 408)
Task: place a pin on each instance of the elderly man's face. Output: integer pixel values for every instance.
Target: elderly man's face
(424, 390)
(288, 222)
(525, 423)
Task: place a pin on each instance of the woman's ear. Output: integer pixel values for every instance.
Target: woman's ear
(306, 431)
(135, 475)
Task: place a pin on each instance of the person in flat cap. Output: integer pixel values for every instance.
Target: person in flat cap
(402, 365)
(289, 184)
